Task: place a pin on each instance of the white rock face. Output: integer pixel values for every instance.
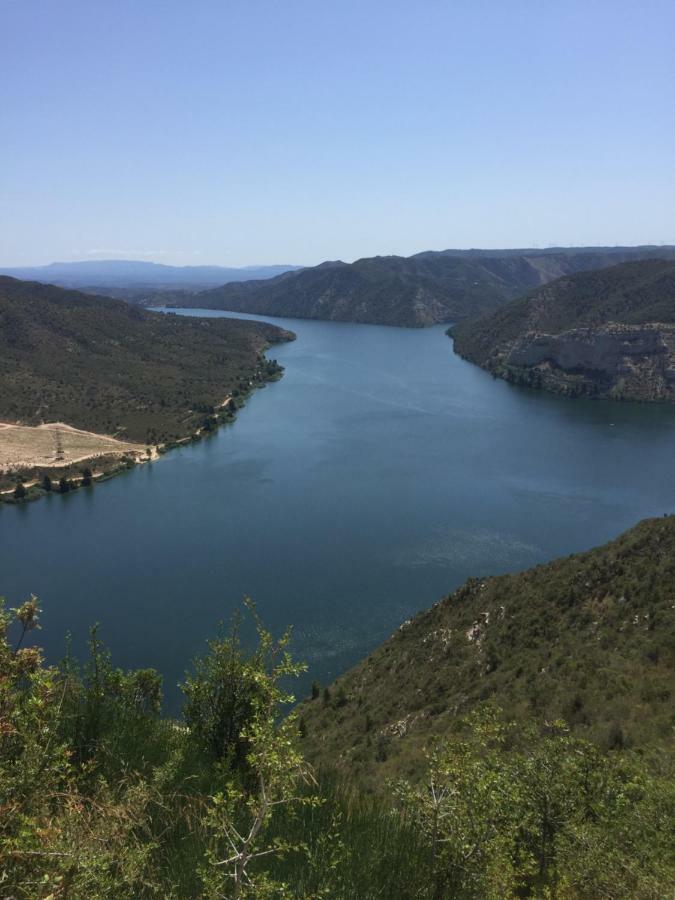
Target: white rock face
(626, 361)
(600, 350)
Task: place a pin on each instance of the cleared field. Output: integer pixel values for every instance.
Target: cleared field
(55, 445)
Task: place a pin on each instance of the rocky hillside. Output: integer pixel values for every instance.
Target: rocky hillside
(606, 333)
(589, 638)
(419, 290)
(104, 366)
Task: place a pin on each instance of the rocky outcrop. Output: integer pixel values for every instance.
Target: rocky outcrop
(632, 362)
(608, 333)
(585, 638)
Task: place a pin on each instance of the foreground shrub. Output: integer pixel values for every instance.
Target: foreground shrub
(102, 797)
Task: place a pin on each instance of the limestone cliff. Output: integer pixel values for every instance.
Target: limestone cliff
(619, 361)
(609, 333)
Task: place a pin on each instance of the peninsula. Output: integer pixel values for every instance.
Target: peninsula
(90, 383)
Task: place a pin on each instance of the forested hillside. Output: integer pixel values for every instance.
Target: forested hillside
(608, 333)
(589, 639)
(420, 290)
(103, 797)
(104, 366)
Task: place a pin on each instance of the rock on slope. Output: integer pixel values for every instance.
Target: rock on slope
(607, 333)
(588, 638)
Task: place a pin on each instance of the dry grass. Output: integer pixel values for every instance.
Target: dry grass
(55, 445)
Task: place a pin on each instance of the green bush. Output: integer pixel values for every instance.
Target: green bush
(103, 797)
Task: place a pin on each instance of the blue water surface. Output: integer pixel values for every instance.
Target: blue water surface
(378, 474)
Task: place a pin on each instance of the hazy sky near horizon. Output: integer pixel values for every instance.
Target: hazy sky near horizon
(256, 131)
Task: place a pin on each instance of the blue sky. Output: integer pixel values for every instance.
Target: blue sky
(276, 131)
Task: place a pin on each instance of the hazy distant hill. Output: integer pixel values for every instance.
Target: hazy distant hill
(137, 275)
(419, 290)
(105, 366)
(608, 333)
(588, 638)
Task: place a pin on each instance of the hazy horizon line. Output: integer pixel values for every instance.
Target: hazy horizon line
(144, 256)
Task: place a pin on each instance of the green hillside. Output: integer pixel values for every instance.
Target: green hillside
(415, 291)
(104, 797)
(102, 365)
(605, 333)
(589, 639)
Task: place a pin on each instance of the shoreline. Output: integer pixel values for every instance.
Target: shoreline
(85, 476)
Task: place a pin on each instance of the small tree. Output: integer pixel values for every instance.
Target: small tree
(469, 812)
(57, 839)
(219, 699)
(20, 491)
(273, 776)
(46, 483)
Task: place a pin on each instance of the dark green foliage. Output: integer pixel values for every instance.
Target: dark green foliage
(220, 695)
(46, 483)
(104, 798)
(418, 290)
(533, 812)
(631, 294)
(20, 491)
(589, 639)
(104, 707)
(147, 375)
(358, 848)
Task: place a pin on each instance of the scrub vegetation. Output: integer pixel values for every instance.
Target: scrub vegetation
(414, 291)
(103, 796)
(588, 639)
(104, 366)
(110, 369)
(606, 333)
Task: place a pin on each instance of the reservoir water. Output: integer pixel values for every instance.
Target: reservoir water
(374, 478)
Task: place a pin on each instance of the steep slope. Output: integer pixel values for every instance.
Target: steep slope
(608, 333)
(589, 638)
(384, 290)
(419, 290)
(104, 366)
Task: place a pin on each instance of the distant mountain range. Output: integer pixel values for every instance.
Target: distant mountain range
(607, 333)
(419, 290)
(424, 289)
(138, 275)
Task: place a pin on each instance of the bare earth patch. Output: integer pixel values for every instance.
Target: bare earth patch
(54, 445)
